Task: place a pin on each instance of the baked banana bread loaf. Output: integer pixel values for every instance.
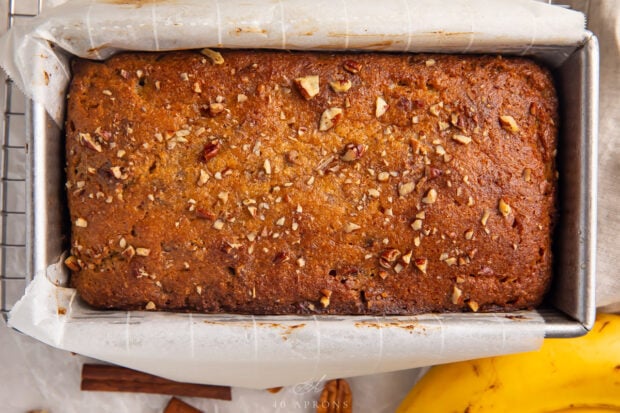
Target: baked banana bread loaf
(272, 182)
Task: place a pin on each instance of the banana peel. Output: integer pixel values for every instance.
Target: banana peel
(566, 375)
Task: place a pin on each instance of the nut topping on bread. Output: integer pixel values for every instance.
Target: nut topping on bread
(230, 181)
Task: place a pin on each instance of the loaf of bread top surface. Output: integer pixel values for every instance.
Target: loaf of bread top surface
(274, 182)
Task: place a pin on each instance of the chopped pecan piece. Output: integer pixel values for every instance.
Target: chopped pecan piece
(72, 263)
(352, 66)
(504, 208)
(352, 152)
(87, 141)
(421, 263)
(340, 86)
(509, 123)
(388, 257)
(215, 57)
(381, 106)
(330, 118)
(211, 149)
(308, 86)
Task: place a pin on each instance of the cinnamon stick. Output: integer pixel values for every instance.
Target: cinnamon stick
(101, 377)
(178, 406)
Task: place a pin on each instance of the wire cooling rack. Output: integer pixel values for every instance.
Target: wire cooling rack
(13, 168)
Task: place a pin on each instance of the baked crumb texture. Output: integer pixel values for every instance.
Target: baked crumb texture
(287, 182)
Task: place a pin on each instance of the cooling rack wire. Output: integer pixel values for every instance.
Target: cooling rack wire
(13, 168)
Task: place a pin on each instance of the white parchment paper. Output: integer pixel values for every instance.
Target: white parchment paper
(265, 351)
(251, 351)
(36, 376)
(36, 54)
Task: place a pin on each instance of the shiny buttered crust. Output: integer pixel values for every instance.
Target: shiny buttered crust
(301, 182)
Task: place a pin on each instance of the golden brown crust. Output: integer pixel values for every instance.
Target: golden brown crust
(210, 187)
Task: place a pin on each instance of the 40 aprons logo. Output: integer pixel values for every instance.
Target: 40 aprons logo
(324, 405)
(335, 396)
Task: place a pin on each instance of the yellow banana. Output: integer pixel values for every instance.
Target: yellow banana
(565, 375)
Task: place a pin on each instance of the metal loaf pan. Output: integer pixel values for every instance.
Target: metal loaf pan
(570, 308)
